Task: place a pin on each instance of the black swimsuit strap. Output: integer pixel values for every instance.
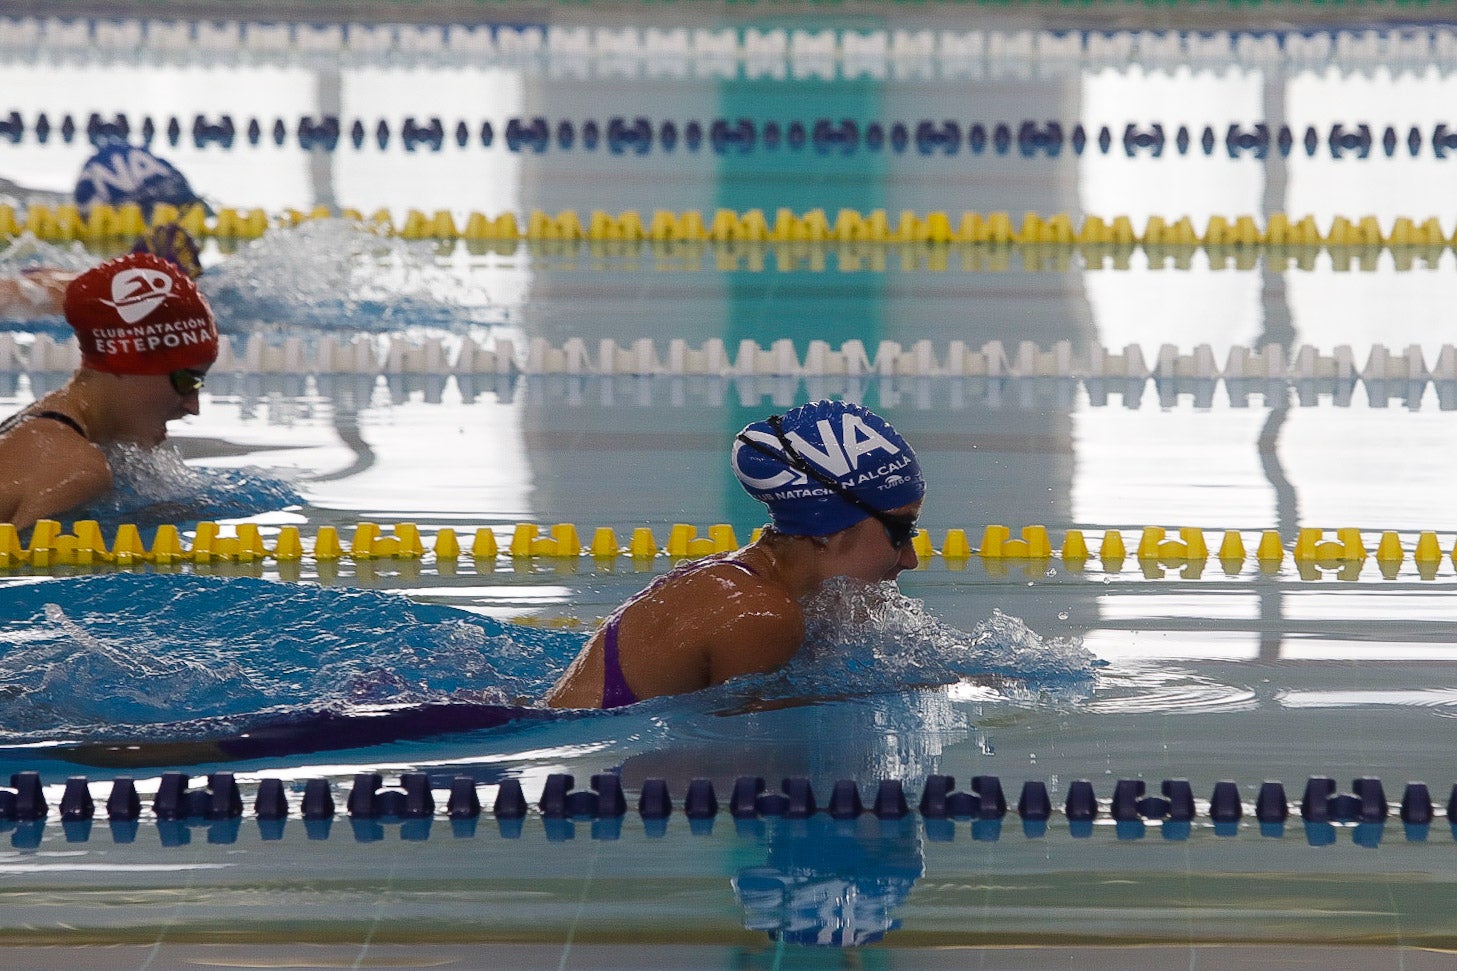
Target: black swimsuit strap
(14, 421)
(66, 420)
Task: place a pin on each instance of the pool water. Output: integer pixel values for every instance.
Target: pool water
(1043, 670)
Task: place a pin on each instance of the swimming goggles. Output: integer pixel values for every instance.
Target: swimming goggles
(899, 530)
(187, 381)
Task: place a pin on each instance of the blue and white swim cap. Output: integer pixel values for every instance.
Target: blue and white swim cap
(120, 173)
(839, 453)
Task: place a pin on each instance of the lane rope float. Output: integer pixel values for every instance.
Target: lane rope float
(65, 223)
(638, 135)
(754, 51)
(1343, 553)
(411, 803)
(332, 353)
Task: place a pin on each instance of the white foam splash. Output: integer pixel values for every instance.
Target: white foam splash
(154, 485)
(340, 273)
(27, 251)
(872, 637)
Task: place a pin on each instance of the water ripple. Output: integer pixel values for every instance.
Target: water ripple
(1136, 689)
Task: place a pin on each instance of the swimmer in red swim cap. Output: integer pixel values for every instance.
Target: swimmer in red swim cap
(147, 339)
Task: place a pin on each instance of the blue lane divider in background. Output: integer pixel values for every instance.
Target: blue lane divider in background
(219, 805)
(620, 135)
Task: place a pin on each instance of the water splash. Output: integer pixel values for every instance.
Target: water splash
(27, 252)
(178, 656)
(155, 486)
(866, 638)
(335, 274)
(165, 656)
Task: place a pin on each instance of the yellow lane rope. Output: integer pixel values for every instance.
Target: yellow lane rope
(65, 223)
(51, 546)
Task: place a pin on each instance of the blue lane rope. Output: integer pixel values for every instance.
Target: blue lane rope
(369, 804)
(638, 135)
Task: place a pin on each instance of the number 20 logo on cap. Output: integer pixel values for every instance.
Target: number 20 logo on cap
(136, 292)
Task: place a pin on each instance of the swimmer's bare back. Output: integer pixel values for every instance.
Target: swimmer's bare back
(698, 626)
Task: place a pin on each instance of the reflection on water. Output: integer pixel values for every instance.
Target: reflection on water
(825, 882)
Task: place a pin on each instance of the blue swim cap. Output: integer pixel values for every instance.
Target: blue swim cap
(839, 453)
(120, 173)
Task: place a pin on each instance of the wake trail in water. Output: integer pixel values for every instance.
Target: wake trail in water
(159, 655)
(179, 656)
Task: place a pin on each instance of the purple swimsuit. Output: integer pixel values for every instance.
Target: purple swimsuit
(616, 693)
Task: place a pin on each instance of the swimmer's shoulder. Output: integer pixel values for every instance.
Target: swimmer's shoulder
(760, 632)
(52, 436)
(46, 468)
(756, 615)
(718, 620)
(730, 576)
(703, 599)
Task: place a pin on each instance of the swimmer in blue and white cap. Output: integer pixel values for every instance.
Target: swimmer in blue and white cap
(120, 173)
(844, 491)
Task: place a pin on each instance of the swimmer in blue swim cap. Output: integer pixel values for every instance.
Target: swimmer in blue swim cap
(843, 490)
(120, 173)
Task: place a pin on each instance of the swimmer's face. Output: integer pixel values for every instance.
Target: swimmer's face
(864, 551)
(152, 401)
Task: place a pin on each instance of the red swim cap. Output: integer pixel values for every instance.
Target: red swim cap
(140, 314)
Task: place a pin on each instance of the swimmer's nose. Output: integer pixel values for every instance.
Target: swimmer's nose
(908, 560)
(191, 405)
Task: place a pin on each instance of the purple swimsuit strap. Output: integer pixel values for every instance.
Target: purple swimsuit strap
(616, 692)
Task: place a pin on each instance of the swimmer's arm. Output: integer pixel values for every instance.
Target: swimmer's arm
(50, 500)
(34, 293)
